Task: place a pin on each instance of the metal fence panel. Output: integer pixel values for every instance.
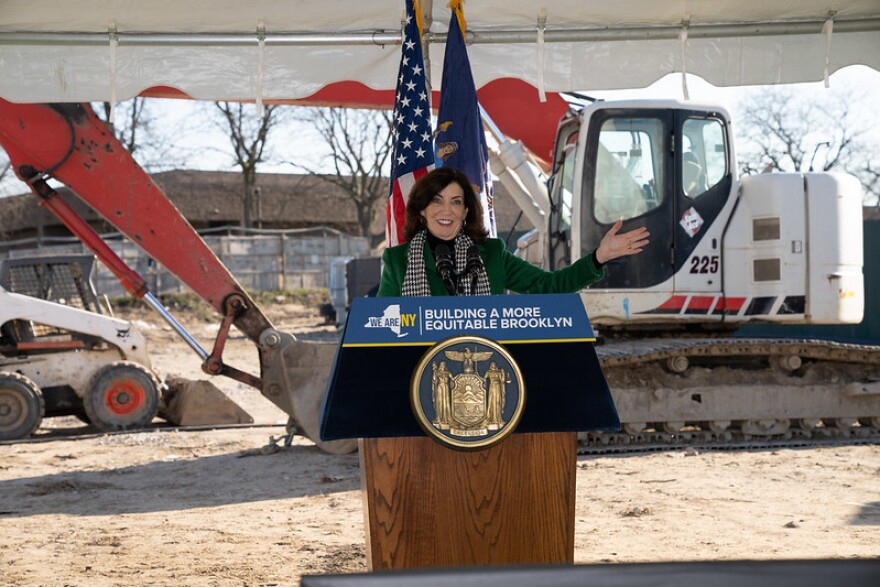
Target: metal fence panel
(265, 262)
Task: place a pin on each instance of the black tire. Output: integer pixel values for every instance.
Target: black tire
(21, 406)
(122, 396)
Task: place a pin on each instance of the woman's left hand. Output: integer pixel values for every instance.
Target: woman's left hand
(614, 245)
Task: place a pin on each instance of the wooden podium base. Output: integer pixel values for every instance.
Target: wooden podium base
(429, 506)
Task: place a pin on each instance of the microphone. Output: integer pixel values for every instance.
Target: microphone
(473, 265)
(445, 268)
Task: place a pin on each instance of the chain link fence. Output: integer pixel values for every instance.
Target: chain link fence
(261, 260)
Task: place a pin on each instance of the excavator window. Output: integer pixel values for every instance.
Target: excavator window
(566, 192)
(562, 190)
(629, 168)
(703, 160)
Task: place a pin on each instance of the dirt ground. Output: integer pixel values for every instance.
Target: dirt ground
(231, 507)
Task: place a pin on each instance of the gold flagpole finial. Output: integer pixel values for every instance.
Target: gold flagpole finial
(417, 9)
(458, 10)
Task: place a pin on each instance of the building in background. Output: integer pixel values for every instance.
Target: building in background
(306, 227)
(211, 202)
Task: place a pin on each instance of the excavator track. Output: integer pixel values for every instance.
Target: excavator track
(634, 352)
(738, 392)
(596, 444)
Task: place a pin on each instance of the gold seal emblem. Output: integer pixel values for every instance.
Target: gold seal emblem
(467, 392)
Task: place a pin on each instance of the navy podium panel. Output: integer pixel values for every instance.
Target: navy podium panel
(549, 336)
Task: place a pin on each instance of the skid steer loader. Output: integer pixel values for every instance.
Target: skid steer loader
(62, 354)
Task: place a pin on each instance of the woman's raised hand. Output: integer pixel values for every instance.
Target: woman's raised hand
(614, 244)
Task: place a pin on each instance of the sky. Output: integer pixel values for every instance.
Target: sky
(846, 80)
(206, 145)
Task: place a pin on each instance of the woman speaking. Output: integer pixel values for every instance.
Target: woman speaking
(509, 503)
(448, 251)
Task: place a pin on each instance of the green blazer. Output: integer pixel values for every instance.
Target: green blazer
(505, 271)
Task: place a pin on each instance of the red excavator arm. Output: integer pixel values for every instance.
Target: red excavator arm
(69, 143)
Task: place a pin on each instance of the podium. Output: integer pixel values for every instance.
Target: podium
(428, 505)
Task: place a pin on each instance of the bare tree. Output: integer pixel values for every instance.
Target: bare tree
(249, 137)
(870, 176)
(136, 126)
(133, 119)
(359, 145)
(783, 132)
(6, 175)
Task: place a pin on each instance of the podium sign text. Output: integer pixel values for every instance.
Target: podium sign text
(548, 335)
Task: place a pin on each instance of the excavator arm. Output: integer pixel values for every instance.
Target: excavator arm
(69, 143)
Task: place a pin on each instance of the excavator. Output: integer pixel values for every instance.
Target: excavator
(773, 248)
(783, 248)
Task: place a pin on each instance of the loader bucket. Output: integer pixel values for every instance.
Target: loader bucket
(199, 403)
(295, 376)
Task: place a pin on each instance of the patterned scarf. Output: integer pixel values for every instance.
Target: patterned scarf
(415, 282)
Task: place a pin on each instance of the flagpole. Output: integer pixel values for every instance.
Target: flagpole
(426, 7)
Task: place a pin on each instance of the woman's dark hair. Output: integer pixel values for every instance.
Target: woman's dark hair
(432, 184)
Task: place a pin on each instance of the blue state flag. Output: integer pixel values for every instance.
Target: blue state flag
(460, 140)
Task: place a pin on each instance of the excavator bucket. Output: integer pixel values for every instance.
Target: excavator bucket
(295, 376)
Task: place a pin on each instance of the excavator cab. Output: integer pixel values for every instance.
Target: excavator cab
(656, 164)
(722, 250)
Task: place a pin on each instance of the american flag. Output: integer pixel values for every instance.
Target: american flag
(413, 154)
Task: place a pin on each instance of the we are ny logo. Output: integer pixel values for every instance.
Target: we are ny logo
(392, 318)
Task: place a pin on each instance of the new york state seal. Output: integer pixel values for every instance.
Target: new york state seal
(467, 392)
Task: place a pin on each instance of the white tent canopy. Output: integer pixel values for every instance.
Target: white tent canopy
(89, 50)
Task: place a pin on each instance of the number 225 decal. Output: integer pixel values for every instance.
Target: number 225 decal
(704, 264)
